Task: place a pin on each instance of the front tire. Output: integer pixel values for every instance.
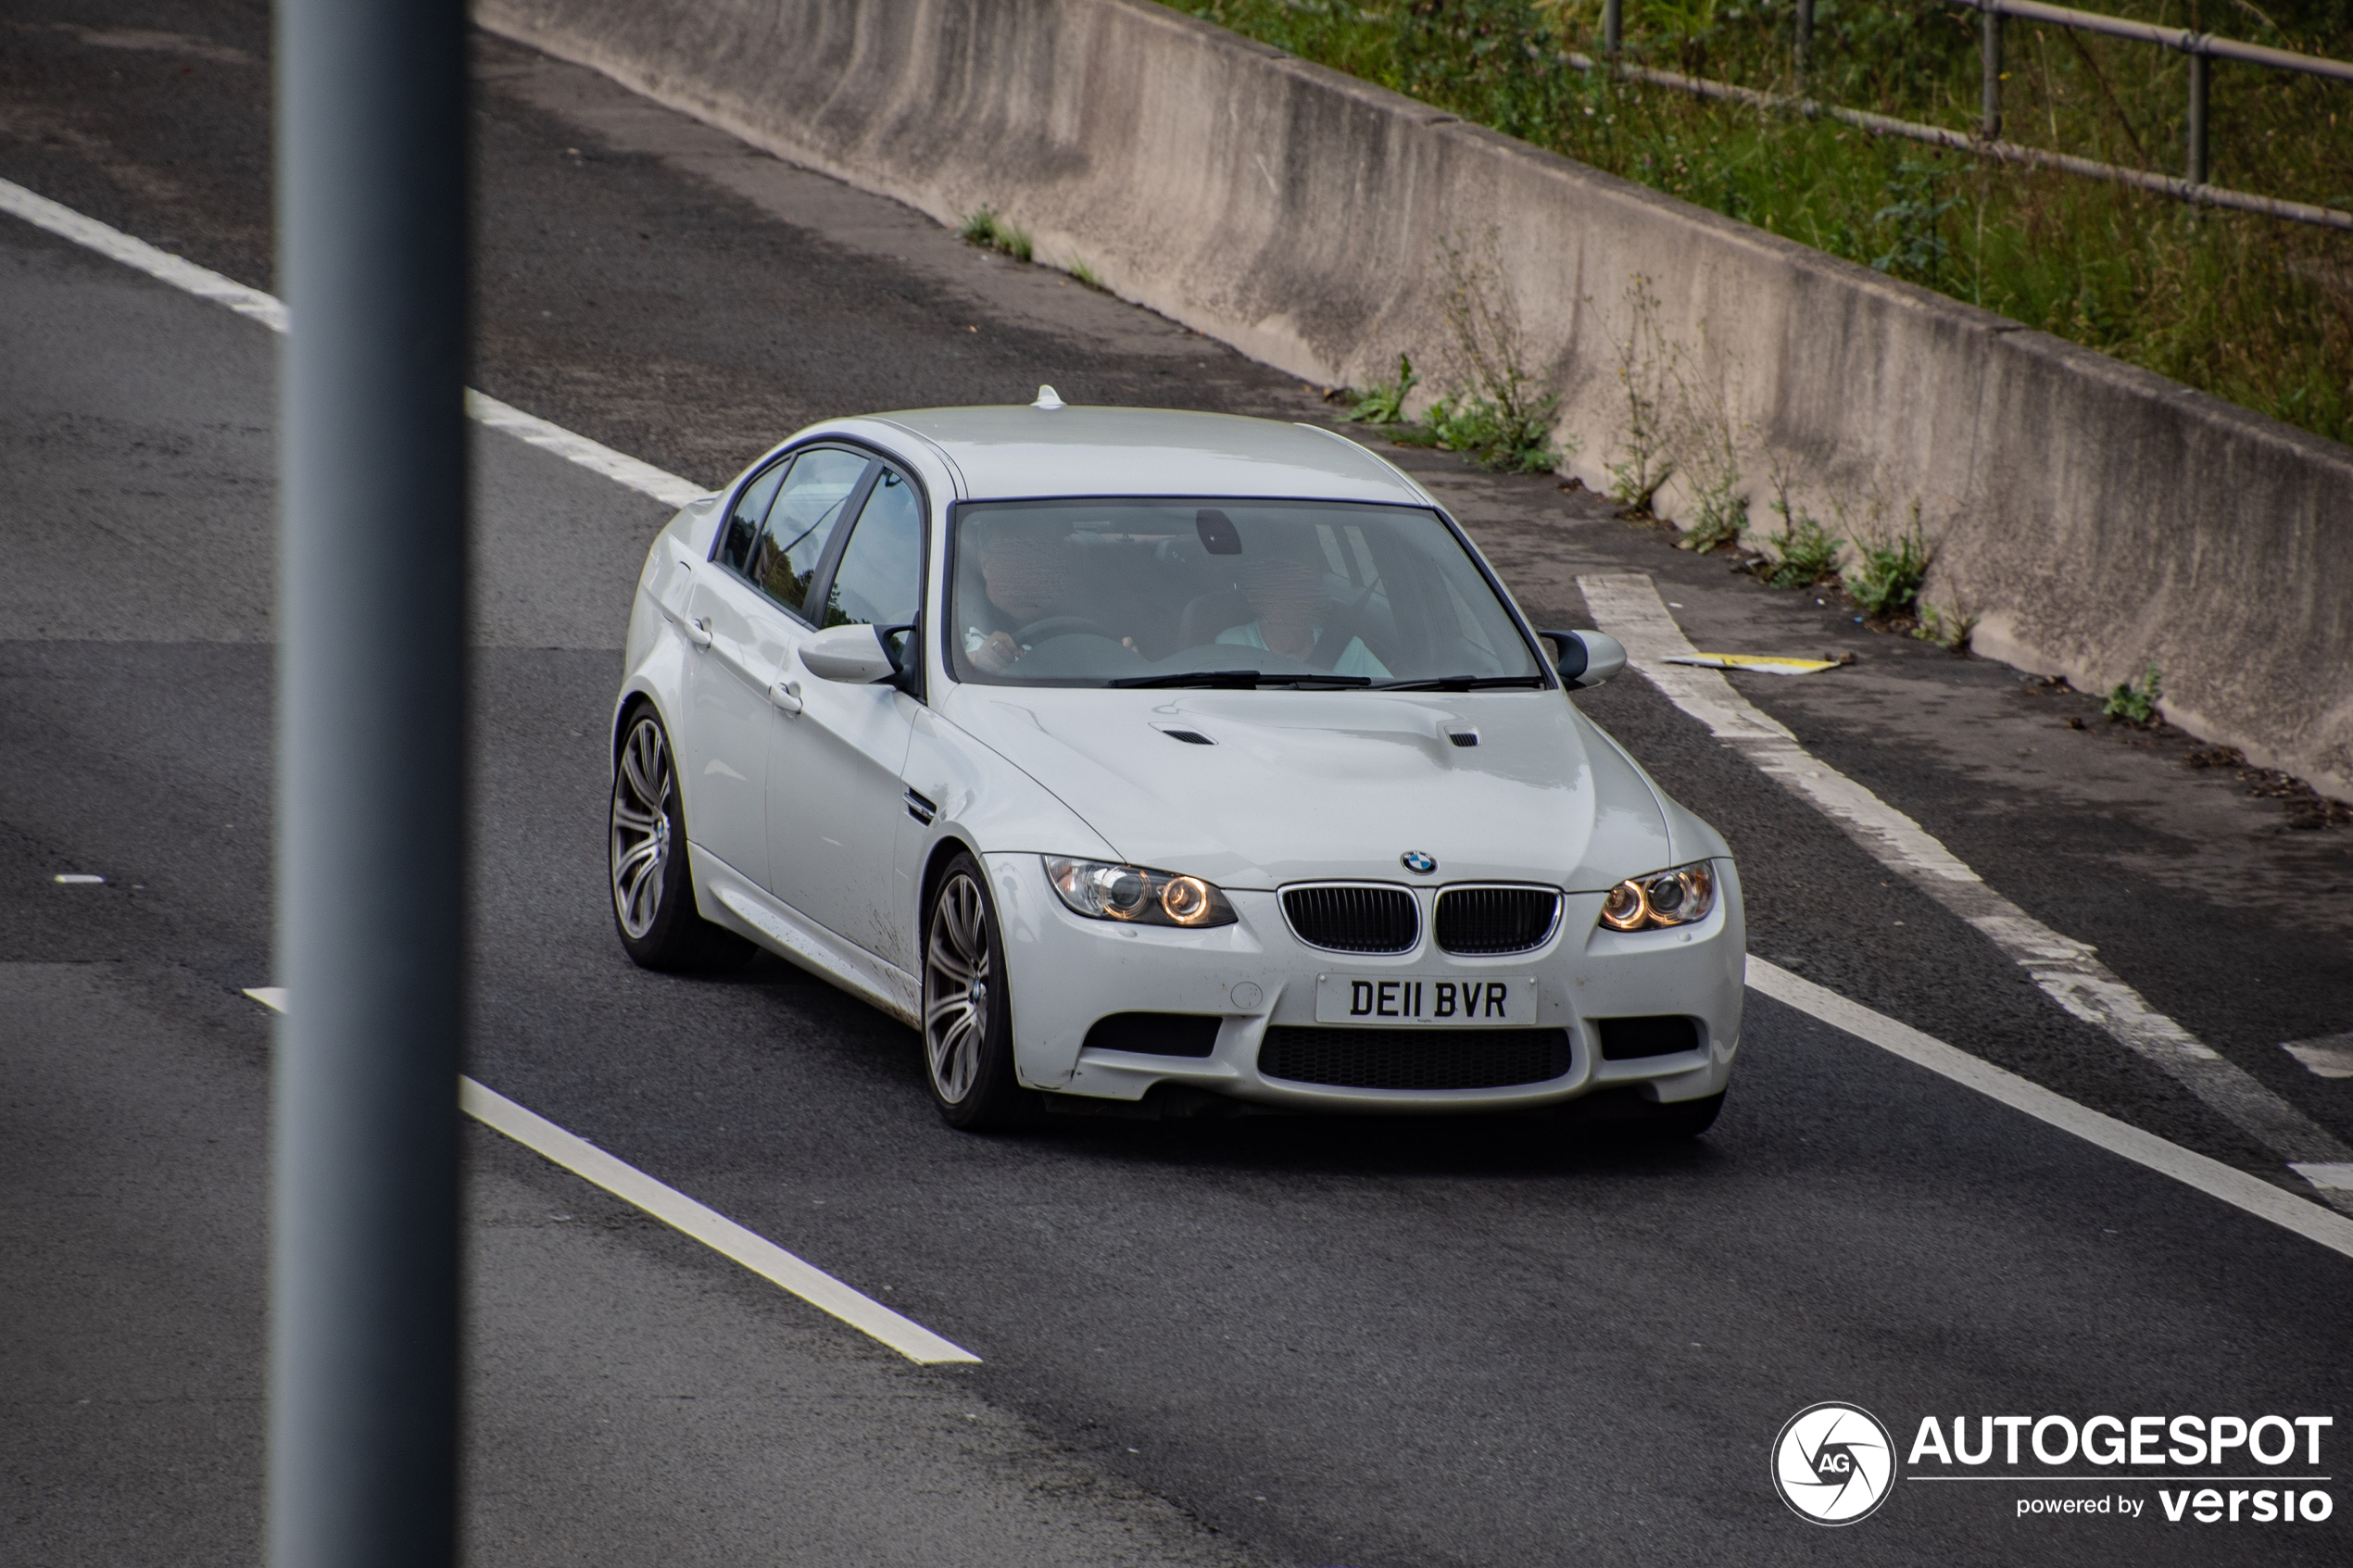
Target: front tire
(968, 1023)
(1623, 1115)
(653, 887)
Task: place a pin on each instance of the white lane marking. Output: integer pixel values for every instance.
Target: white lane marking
(2212, 1177)
(706, 1224)
(1627, 607)
(667, 488)
(78, 879)
(185, 275)
(2336, 1178)
(2331, 1055)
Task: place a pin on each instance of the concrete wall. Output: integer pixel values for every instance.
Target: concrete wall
(2097, 516)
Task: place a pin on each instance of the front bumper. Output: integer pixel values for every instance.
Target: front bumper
(1068, 971)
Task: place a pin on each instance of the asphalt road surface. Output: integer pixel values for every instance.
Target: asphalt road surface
(1273, 1341)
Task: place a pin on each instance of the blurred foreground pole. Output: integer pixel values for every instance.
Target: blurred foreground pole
(372, 571)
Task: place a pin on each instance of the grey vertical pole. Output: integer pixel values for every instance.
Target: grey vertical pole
(2196, 157)
(1804, 30)
(1990, 47)
(1612, 25)
(372, 245)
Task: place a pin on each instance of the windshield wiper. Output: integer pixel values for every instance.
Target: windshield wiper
(1459, 684)
(1243, 679)
(1240, 680)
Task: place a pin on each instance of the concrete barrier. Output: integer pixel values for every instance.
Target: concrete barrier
(2100, 517)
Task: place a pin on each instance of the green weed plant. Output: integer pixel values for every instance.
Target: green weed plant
(1383, 403)
(1887, 581)
(2136, 703)
(984, 227)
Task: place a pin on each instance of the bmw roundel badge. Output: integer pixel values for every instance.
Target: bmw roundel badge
(1417, 862)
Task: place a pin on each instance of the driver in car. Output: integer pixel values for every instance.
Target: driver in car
(1027, 573)
(1283, 580)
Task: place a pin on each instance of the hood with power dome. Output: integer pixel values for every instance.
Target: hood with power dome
(1304, 785)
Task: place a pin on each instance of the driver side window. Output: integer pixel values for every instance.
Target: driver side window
(807, 509)
(880, 579)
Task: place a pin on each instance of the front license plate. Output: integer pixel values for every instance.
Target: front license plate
(1425, 999)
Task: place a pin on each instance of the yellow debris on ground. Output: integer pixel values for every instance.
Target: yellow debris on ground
(1765, 663)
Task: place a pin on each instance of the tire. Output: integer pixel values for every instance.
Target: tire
(1685, 1118)
(1622, 1115)
(653, 887)
(967, 1014)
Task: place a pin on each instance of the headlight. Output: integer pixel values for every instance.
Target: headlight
(1136, 896)
(1672, 898)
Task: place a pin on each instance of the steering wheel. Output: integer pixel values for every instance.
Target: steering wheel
(1060, 626)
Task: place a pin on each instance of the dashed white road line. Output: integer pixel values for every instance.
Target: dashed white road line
(1627, 606)
(184, 274)
(2210, 1177)
(704, 1223)
(708, 1226)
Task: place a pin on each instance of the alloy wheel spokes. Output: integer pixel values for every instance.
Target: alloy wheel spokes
(955, 988)
(640, 827)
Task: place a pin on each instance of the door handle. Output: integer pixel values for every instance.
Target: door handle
(699, 631)
(786, 695)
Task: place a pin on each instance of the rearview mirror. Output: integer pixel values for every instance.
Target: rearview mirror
(851, 654)
(1585, 658)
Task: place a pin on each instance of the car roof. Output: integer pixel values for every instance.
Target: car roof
(1030, 451)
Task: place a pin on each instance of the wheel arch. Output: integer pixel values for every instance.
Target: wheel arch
(624, 710)
(936, 866)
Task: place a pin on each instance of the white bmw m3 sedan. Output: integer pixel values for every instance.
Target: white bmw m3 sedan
(1159, 763)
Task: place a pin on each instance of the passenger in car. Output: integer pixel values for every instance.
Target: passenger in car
(1283, 580)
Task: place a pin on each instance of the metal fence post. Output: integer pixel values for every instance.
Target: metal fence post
(1612, 25)
(1805, 29)
(371, 235)
(2196, 172)
(1990, 47)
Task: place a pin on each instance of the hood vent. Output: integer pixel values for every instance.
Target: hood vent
(1190, 737)
(1354, 918)
(1496, 920)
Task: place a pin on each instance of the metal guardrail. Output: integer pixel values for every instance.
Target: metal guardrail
(2199, 48)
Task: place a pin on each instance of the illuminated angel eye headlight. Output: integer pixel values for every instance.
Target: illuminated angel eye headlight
(1623, 908)
(1136, 896)
(1681, 896)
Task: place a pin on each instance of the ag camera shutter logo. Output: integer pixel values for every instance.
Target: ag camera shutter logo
(1834, 1463)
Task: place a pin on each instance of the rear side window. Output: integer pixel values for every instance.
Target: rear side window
(751, 510)
(801, 521)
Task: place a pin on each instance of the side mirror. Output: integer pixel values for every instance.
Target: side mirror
(851, 654)
(1585, 658)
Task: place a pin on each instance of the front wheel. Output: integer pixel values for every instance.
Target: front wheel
(968, 1026)
(653, 887)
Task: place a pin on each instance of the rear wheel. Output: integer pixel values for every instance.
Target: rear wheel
(653, 887)
(968, 1031)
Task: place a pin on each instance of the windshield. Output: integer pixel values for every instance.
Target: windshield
(1207, 592)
